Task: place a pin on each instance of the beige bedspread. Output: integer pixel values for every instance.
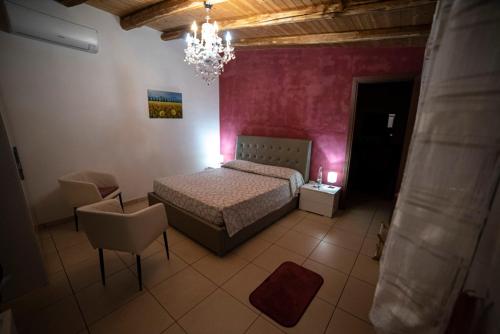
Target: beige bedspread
(236, 195)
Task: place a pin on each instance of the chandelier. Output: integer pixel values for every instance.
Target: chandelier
(208, 54)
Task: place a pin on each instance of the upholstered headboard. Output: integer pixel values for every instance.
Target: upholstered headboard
(284, 152)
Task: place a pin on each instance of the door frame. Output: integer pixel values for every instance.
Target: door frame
(409, 124)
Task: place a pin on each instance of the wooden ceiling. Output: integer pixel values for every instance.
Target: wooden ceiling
(285, 22)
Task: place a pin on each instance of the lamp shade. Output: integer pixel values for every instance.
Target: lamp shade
(332, 177)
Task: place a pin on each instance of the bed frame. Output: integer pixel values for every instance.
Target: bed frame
(284, 152)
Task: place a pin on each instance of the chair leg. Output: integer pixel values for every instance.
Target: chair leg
(139, 271)
(76, 219)
(166, 244)
(121, 200)
(101, 260)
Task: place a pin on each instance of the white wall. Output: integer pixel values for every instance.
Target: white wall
(70, 110)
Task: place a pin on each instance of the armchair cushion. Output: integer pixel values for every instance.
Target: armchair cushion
(105, 191)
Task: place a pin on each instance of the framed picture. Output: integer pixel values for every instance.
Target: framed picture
(164, 104)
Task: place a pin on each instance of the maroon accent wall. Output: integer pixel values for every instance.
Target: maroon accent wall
(302, 93)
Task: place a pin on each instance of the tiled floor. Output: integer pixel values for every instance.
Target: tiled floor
(198, 292)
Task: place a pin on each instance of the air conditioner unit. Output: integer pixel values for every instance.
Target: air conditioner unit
(33, 24)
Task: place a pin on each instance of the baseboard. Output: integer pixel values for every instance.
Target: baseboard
(68, 219)
(55, 222)
(136, 200)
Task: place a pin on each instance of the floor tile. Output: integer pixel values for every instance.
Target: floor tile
(98, 301)
(343, 323)
(173, 237)
(333, 281)
(358, 224)
(374, 229)
(219, 313)
(360, 211)
(369, 247)
(67, 226)
(245, 282)
(299, 214)
(177, 290)
(43, 232)
(315, 319)
(357, 298)
(153, 248)
(313, 228)
(174, 329)
(183, 291)
(273, 233)
(344, 239)
(366, 269)
(334, 256)
(56, 289)
(262, 326)
(250, 249)
(219, 269)
(47, 245)
(383, 214)
(64, 235)
(312, 217)
(62, 317)
(87, 272)
(298, 242)
(141, 315)
(157, 268)
(52, 262)
(189, 251)
(290, 220)
(77, 253)
(272, 257)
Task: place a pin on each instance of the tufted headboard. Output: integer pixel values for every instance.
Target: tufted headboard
(284, 152)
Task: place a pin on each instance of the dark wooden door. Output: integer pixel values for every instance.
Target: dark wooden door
(382, 111)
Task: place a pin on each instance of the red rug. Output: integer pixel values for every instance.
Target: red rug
(285, 295)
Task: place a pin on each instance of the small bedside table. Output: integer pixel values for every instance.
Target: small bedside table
(323, 201)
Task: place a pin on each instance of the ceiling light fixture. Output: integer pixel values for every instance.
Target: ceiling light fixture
(208, 54)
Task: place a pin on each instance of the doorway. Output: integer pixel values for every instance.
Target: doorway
(381, 126)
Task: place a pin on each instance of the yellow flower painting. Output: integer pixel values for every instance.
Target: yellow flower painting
(164, 104)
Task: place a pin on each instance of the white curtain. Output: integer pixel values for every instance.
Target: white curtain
(452, 172)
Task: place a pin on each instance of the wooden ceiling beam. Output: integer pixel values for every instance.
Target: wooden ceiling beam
(337, 38)
(175, 33)
(290, 16)
(382, 6)
(71, 3)
(261, 20)
(159, 11)
(305, 14)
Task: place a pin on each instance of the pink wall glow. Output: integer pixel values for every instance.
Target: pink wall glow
(302, 93)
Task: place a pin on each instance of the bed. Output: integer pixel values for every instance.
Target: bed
(221, 208)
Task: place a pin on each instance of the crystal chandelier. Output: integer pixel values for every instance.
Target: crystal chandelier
(208, 54)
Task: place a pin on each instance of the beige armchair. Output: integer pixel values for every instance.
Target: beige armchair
(107, 227)
(82, 188)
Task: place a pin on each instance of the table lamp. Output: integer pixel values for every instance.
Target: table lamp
(332, 178)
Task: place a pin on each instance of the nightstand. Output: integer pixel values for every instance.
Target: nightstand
(323, 201)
